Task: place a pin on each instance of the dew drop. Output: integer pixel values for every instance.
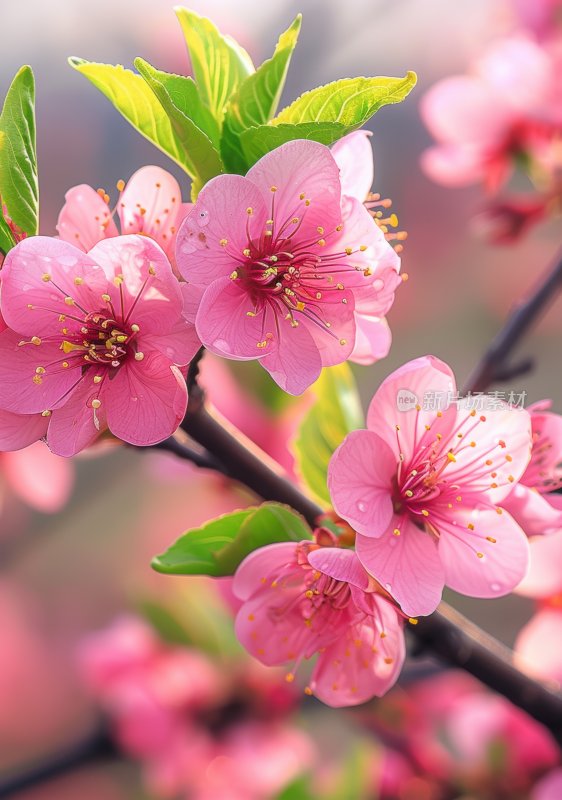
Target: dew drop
(361, 506)
(496, 587)
(388, 587)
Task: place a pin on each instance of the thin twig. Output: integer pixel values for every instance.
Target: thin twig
(493, 366)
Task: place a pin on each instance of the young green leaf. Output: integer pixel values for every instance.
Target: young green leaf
(183, 93)
(180, 101)
(136, 101)
(349, 102)
(19, 188)
(219, 63)
(256, 142)
(218, 547)
(257, 98)
(336, 412)
(6, 237)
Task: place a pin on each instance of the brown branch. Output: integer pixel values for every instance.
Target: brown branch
(446, 633)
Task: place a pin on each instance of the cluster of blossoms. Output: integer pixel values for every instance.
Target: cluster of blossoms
(285, 265)
(505, 114)
(197, 731)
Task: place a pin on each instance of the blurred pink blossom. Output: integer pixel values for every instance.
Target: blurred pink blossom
(507, 109)
(421, 488)
(39, 478)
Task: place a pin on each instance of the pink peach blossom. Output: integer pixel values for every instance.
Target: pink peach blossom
(39, 478)
(95, 341)
(149, 204)
(354, 156)
(282, 264)
(422, 485)
(506, 109)
(544, 577)
(532, 503)
(301, 599)
(539, 644)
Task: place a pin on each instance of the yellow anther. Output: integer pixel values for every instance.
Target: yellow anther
(307, 202)
(233, 275)
(470, 526)
(106, 298)
(118, 280)
(139, 356)
(65, 364)
(413, 620)
(151, 271)
(69, 301)
(46, 413)
(451, 457)
(35, 340)
(273, 188)
(135, 328)
(40, 370)
(46, 277)
(78, 281)
(348, 251)
(98, 378)
(301, 196)
(425, 512)
(307, 690)
(396, 531)
(96, 403)
(246, 252)
(321, 242)
(499, 510)
(295, 220)
(339, 228)
(480, 555)
(491, 539)
(37, 379)
(362, 248)
(409, 493)
(320, 230)
(343, 342)
(300, 305)
(388, 660)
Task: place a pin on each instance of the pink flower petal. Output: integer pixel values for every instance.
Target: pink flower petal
(260, 564)
(227, 324)
(21, 430)
(220, 215)
(394, 404)
(372, 341)
(354, 156)
(534, 512)
(538, 646)
(296, 363)
(85, 218)
(336, 343)
(503, 546)
(465, 110)
(22, 389)
(74, 427)
(360, 665)
(300, 167)
(341, 564)
(151, 205)
(544, 578)
(407, 566)
(454, 165)
(494, 450)
(149, 294)
(146, 402)
(360, 478)
(41, 479)
(31, 302)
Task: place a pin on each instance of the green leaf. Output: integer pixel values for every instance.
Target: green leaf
(188, 116)
(183, 93)
(256, 142)
(257, 98)
(336, 412)
(219, 63)
(349, 102)
(135, 100)
(18, 158)
(298, 789)
(6, 237)
(218, 547)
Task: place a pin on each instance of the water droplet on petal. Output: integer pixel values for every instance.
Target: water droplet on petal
(388, 587)
(496, 587)
(361, 507)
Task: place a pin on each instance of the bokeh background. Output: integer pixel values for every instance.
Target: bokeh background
(67, 573)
